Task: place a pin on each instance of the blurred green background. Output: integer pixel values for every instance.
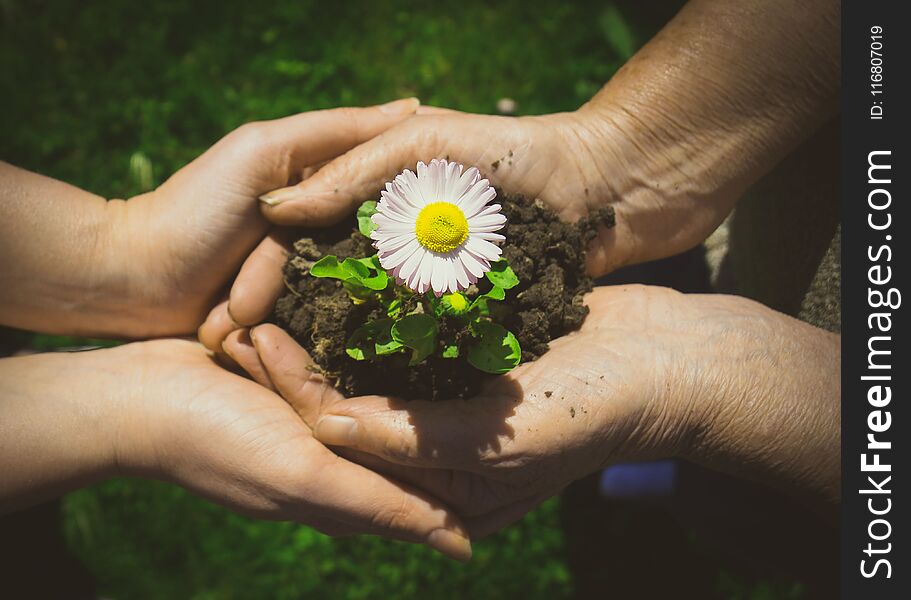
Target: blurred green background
(113, 96)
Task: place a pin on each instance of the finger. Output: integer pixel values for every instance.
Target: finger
(453, 434)
(216, 327)
(459, 489)
(293, 372)
(375, 504)
(239, 347)
(309, 138)
(332, 192)
(225, 360)
(484, 525)
(484, 510)
(436, 110)
(260, 281)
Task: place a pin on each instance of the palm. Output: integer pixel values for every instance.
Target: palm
(240, 444)
(592, 399)
(533, 431)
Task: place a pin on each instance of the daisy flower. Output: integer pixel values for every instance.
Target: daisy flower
(435, 229)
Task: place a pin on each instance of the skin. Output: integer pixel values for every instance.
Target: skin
(670, 155)
(652, 373)
(155, 265)
(701, 112)
(165, 410)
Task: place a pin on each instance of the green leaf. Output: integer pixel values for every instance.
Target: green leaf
(364, 222)
(371, 340)
(394, 307)
(329, 267)
(418, 332)
(359, 346)
(497, 350)
(451, 351)
(496, 293)
(362, 269)
(480, 307)
(383, 341)
(355, 273)
(502, 275)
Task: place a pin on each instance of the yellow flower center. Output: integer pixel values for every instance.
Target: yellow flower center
(441, 227)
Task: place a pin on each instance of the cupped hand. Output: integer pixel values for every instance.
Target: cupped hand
(189, 237)
(575, 162)
(594, 397)
(652, 373)
(239, 444)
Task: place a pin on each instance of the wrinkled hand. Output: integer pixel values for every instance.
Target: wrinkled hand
(190, 235)
(596, 396)
(575, 162)
(652, 373)
(239, 444)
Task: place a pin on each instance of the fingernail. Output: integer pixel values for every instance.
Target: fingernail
(404, 106)
(280, 195)
(335, 430)
(451, 544)
(252, 333)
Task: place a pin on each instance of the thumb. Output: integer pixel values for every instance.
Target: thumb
(464, 435)
(335, 190)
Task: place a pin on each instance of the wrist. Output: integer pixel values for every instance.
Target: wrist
(59, 419)
(768, 405)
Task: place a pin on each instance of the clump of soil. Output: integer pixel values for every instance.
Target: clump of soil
(548, 256)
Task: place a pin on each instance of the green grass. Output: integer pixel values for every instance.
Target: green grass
(151, 540)
(113, 96)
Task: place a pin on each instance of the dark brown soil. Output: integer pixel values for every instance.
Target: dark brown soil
(547, 254)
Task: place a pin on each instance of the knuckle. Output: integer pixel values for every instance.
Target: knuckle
(424, 136)
(251, 137)
(395, 517)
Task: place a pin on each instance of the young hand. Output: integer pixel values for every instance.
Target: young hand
(165, 410)
(155, 265)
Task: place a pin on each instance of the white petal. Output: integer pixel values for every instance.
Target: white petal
(453, 172)
(497, 220)
(483, 248)
(391, 260)
(395, 202)
(388, 245)
(426, 271)
(487, 209)
(460, 186)
(477, 206)
(407, 268)
(454, 277)
(473, 265)
(490, 237)
(423, 183)
(411, 188)
(461, 275)
(414, 282)
(391, 193)
(438, 276)
(391, 219)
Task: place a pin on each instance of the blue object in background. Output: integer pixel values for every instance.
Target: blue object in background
(656, 479)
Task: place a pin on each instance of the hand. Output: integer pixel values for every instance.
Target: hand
(191, 234)
(652, 373)
(153, 266)
(554, 158)
(165, 410)
(670, 156)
